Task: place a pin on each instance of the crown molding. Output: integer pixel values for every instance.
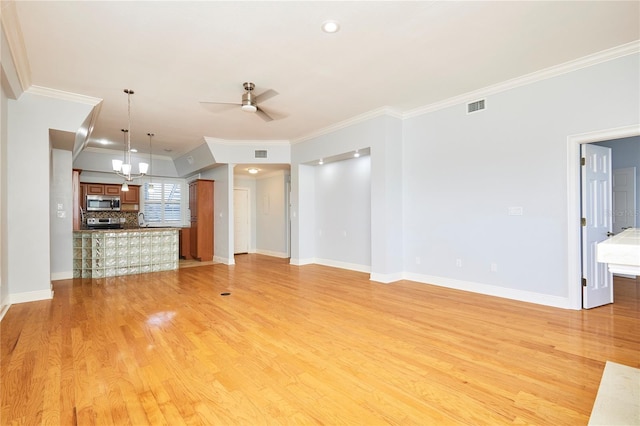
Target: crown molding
(65, 96)
(246, 142)
(15, 40)
(554, 71)
(388, 111)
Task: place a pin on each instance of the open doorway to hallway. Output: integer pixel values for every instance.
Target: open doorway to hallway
(615, 208)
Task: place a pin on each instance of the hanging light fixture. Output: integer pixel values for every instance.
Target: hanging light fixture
(150, 188)
(123, 168)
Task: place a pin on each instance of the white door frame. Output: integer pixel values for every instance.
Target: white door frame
(574, 270)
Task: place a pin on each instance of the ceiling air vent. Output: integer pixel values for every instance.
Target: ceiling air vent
(475, 106)
(261, 153)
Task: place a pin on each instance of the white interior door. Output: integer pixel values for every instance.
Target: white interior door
(624, 199)
(241, 220)
(597, 206)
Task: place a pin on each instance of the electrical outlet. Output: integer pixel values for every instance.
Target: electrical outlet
(459, 263)
(494, 267)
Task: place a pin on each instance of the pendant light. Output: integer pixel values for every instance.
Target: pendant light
(123, 168)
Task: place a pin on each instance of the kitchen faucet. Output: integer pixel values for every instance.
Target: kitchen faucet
(141, 221)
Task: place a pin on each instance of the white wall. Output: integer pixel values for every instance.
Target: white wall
(383, 135)
(100, 161)
(271, 220)
(343, 213)
(28, 185)
(4, 258)
(462, 173)
(61, 215)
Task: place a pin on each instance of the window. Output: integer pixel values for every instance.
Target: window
(162, 204)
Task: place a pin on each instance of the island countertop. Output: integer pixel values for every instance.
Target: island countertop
(621, 252)
(133, 228)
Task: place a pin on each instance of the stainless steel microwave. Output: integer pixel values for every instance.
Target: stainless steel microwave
(103, 203)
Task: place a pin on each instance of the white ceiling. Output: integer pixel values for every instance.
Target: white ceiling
(401, 55)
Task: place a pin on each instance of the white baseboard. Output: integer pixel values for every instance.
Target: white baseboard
(301, 262)
(224, 260)
(491, 290)
(30, 296)
(55, 276)
(4, 310)
(343, 265)
(272, 253)
(386, 278)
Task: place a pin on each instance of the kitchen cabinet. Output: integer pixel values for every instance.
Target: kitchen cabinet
(112, 189)
(132, 196)
(130, 200)
(94, 189)
(185, 243)
(201, 207)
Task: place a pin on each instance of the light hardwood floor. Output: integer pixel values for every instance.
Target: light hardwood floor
(303, 345)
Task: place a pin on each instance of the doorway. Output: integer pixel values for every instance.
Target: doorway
(574, 228)
(241, 229)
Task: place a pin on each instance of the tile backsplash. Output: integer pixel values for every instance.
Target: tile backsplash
(131, 218)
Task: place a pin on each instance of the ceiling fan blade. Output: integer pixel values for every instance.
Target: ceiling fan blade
(221, 103)
(266, 95)
(263, 115)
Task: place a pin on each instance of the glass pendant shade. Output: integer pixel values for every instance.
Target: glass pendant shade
(126, 169)
(144, 167)
(117, 165)
(124, 187)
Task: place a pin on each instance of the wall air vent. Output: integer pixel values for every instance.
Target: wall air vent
(475, 106)
(261, 153)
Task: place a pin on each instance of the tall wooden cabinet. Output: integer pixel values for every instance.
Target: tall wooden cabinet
(201, 206)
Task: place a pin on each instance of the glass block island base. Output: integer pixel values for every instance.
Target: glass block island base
(110, 253)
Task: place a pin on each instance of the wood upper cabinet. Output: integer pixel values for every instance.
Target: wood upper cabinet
(94, 188)
(83, 196)
(112, 189)
(129, 200)
(132, 196)
(201, 206)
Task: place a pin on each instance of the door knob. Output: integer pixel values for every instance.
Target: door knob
(609, 234)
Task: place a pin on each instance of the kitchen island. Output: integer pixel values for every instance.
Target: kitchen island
(115, 252)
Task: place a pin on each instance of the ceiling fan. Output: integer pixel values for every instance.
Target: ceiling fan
(250, 101)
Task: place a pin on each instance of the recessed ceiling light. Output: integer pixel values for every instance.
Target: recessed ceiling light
(330, 26)
(253, 170)
(356, 154)
(134, 150)
(103, 142)
(321, 162)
